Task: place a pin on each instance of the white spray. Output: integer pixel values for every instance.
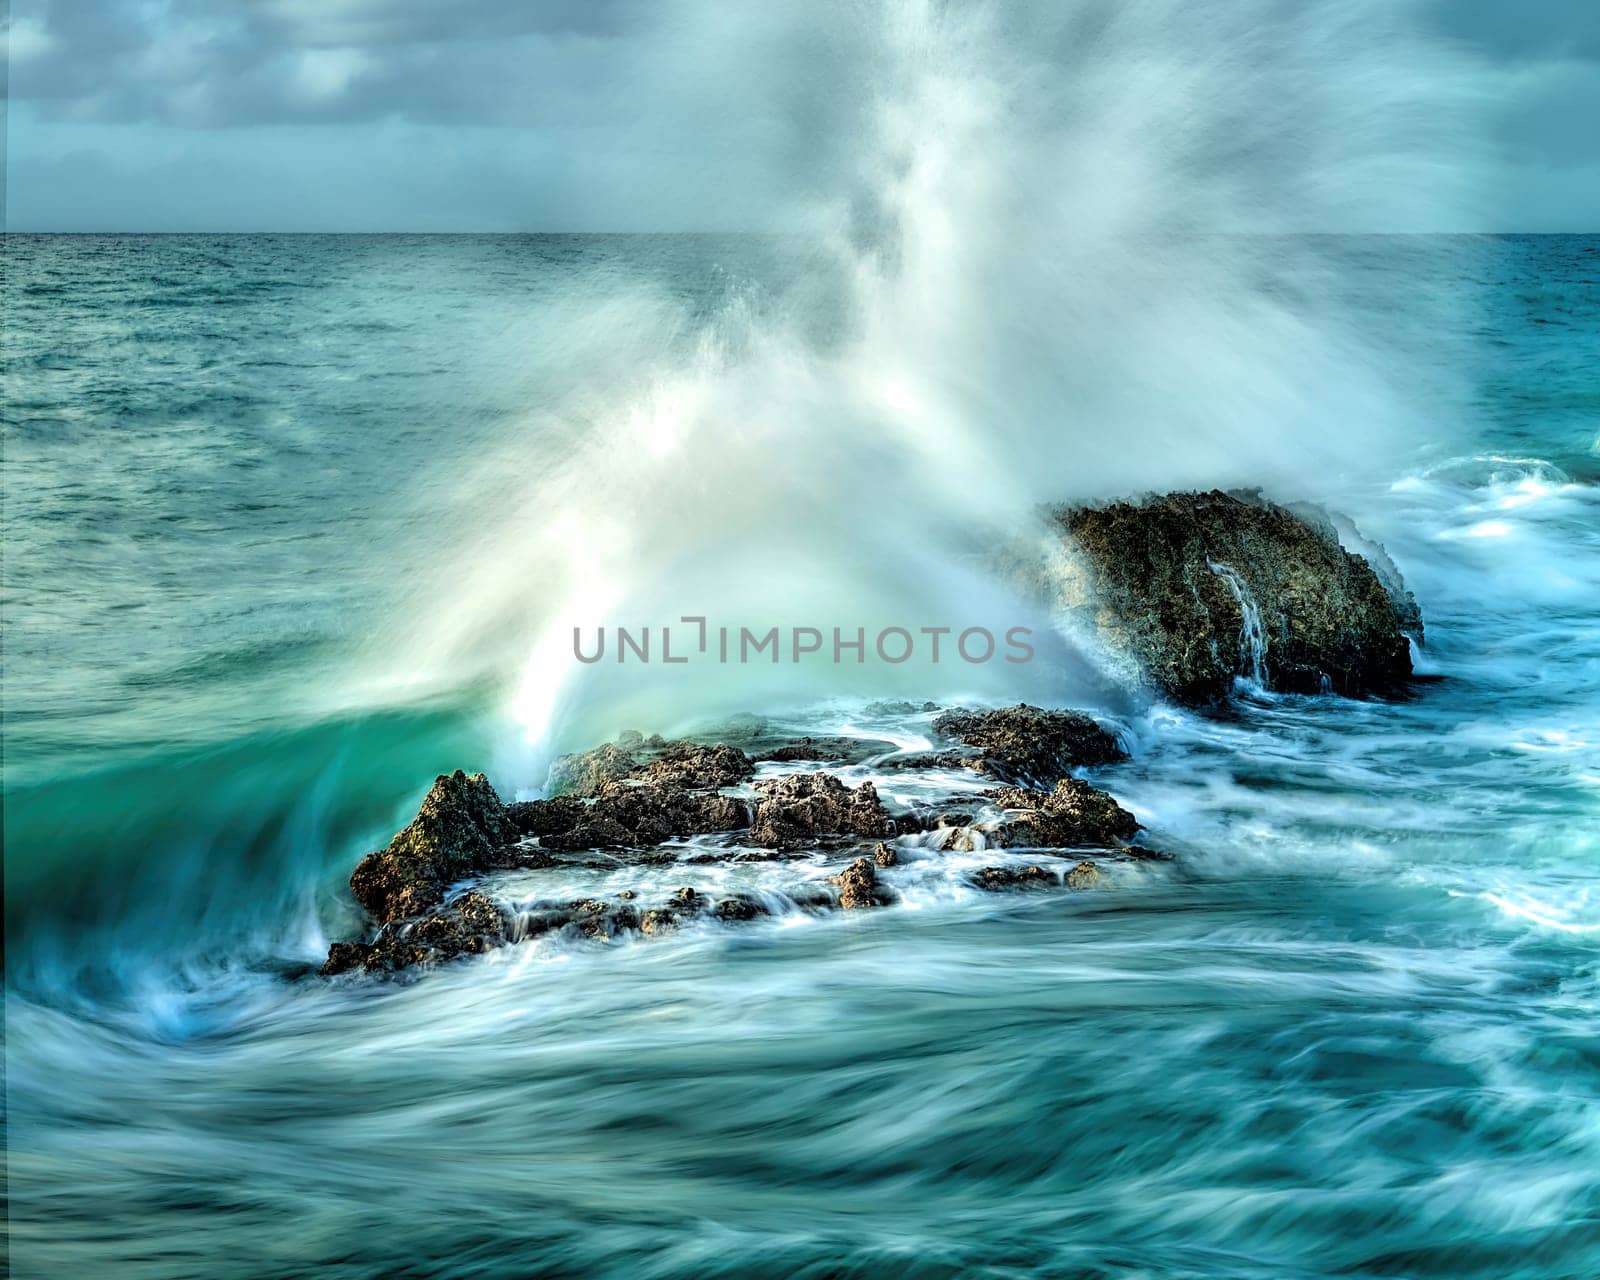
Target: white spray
(1059, 256)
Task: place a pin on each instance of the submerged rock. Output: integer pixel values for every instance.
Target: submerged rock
(1196, 589)
(998, 878)
(1073, 814)
(1028, 744)
(1083, 876)
(793, 810)
(460, 829)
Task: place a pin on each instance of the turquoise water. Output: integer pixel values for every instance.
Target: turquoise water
(1350, 1030)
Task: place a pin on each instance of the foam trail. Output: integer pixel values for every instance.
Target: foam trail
(1060, 257)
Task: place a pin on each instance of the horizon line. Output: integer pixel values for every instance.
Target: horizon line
(746, 231)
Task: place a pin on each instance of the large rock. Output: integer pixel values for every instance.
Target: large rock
(460, 829)
(1196, 589)
(1072, 816)
(1027, 744)
(794, 810)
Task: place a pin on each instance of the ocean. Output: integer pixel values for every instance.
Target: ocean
(294, 523)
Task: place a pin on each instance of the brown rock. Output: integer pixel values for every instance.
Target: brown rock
(885, 856)
(469, 925)
(1083, 876)
(858, 885)
(1027, 744)
(1073, 814)
(793, 810)
(997, 878)
(460, 828)
(1194, 589)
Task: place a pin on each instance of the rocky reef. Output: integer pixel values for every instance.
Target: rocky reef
(1194, 590)
(653, 803)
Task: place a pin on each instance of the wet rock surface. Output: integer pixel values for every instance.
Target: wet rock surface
(641, 798)
(1073, 814)
(792, 811)
(1196, 589)
(1028, 744)
(829, 750)
(671, 763)
(469, 925)
(1085, 875)
(858, 885)
(459, 830)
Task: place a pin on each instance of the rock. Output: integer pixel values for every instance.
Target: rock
(792, 811)
(997, 878)
(885, 856)
(693, 766)
(469, 925)
(1083, 876)
(602, 920)
(461, 828)
(658, 920)
(1073, 814)
(652, 813)
(628, 815)
(927, 761)
(1195, 589)
(585, 772)
(858, 884)
(833, 750)
(1027, 744)
(740, 906)
(546, 817)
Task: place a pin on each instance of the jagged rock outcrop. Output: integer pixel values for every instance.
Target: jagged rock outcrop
(1195, 589)
(1073, 815)
(1026, 744)
(459, 829)
(793, 810)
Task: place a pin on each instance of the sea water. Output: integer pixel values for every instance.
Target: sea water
(1349, 1030)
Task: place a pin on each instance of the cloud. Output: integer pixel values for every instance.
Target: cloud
(214, 65)
(608, 96)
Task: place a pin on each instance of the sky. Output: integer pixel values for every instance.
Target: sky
(557, 115)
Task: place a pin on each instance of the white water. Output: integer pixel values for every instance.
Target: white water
(1252, 640)
(1028, 285)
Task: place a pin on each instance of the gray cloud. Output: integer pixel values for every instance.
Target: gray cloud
(594, 101)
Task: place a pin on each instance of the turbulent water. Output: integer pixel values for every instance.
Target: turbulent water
(251, 487)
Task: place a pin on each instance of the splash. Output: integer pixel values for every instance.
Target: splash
(1049, 253)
